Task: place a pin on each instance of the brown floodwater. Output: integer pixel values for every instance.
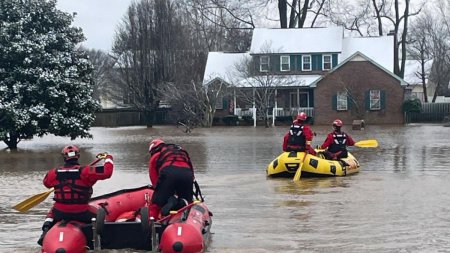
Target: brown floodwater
(399, 202)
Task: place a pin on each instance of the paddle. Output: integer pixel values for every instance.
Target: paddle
(367, 144)
(38, 198)
(298, 173)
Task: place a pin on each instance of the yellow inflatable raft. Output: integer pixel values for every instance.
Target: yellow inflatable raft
(288, 163)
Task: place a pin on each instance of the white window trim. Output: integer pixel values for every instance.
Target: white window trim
(375, 100)
(261, 63)
(323, 61)
(288, 63)
(219, 102)
(303, 62)
(341, 96)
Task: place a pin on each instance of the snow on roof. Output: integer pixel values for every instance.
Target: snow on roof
(379, 49)
(279, 81)
(298, 40)
(222, 65)
(413, 70)
(358, 56)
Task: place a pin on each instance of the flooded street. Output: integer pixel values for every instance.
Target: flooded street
(399, 202)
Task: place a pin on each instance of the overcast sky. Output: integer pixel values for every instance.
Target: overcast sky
(97, 18)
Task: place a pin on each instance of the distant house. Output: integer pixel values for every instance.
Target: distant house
(319, 64)
(359, 89)
(413, 76)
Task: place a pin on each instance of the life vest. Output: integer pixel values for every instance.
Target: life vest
(339, 142)
(172, 154)
(71, 189)
(296, 140)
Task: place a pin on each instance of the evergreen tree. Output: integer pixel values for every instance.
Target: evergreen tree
(46, 81)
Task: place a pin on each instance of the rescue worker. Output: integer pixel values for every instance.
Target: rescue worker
(299, 137)
(171, 173)
(336, 142)
(73, 188)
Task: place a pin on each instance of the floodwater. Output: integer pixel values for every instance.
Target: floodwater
(399, 202)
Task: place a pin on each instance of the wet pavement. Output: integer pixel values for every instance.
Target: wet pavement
(399, 202)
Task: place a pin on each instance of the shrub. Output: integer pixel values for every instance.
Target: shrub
(230, 120)
(412, 105)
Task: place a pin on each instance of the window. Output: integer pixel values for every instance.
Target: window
(264, 63)
(375, 100)
(285, 63)
(342, 104)
(306, 62)
(219, 102)
(302, 101)
(326, 62)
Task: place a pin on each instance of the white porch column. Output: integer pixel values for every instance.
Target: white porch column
(234, 101)
(275, 111)
(254, 108)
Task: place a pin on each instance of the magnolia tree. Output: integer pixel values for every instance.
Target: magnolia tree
(45, 81)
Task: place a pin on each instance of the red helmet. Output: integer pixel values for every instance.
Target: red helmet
(302, 116)
(337, 122)
(70, 152)
(154, 144)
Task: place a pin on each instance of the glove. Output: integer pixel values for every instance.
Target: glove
(102, 155)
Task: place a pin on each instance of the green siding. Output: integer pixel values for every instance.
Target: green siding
(334, 58)
(275, 60)
(292, 60)
(316, 61)
(299, 61)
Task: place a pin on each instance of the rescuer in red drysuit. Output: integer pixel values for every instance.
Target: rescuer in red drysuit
(171, 173)
(299, 137)
(73, 188)
(336, 142)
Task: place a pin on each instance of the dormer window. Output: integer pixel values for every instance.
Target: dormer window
(285, 63)
(264, 64)
(326, 62)
(306, 62)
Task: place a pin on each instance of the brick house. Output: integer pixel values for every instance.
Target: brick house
(359, 89)
(304, 66)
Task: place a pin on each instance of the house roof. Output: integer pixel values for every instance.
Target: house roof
(355, 56)
(379, 49)
(296, 40)
(278, 81)
(221, 65)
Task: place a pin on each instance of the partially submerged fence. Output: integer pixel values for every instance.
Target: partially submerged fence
(431, 113)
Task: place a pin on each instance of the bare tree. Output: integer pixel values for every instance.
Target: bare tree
(146, 47)
(223, 25)
(104, 88)
(195, 103)
(439, 33)
(257, 88)
(419, 49)
(377, 17)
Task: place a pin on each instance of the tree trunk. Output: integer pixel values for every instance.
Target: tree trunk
(149, 116)
(436, 91)
(282, 8)
(12, 140)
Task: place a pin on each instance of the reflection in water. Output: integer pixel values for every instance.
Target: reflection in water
(397, 203)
